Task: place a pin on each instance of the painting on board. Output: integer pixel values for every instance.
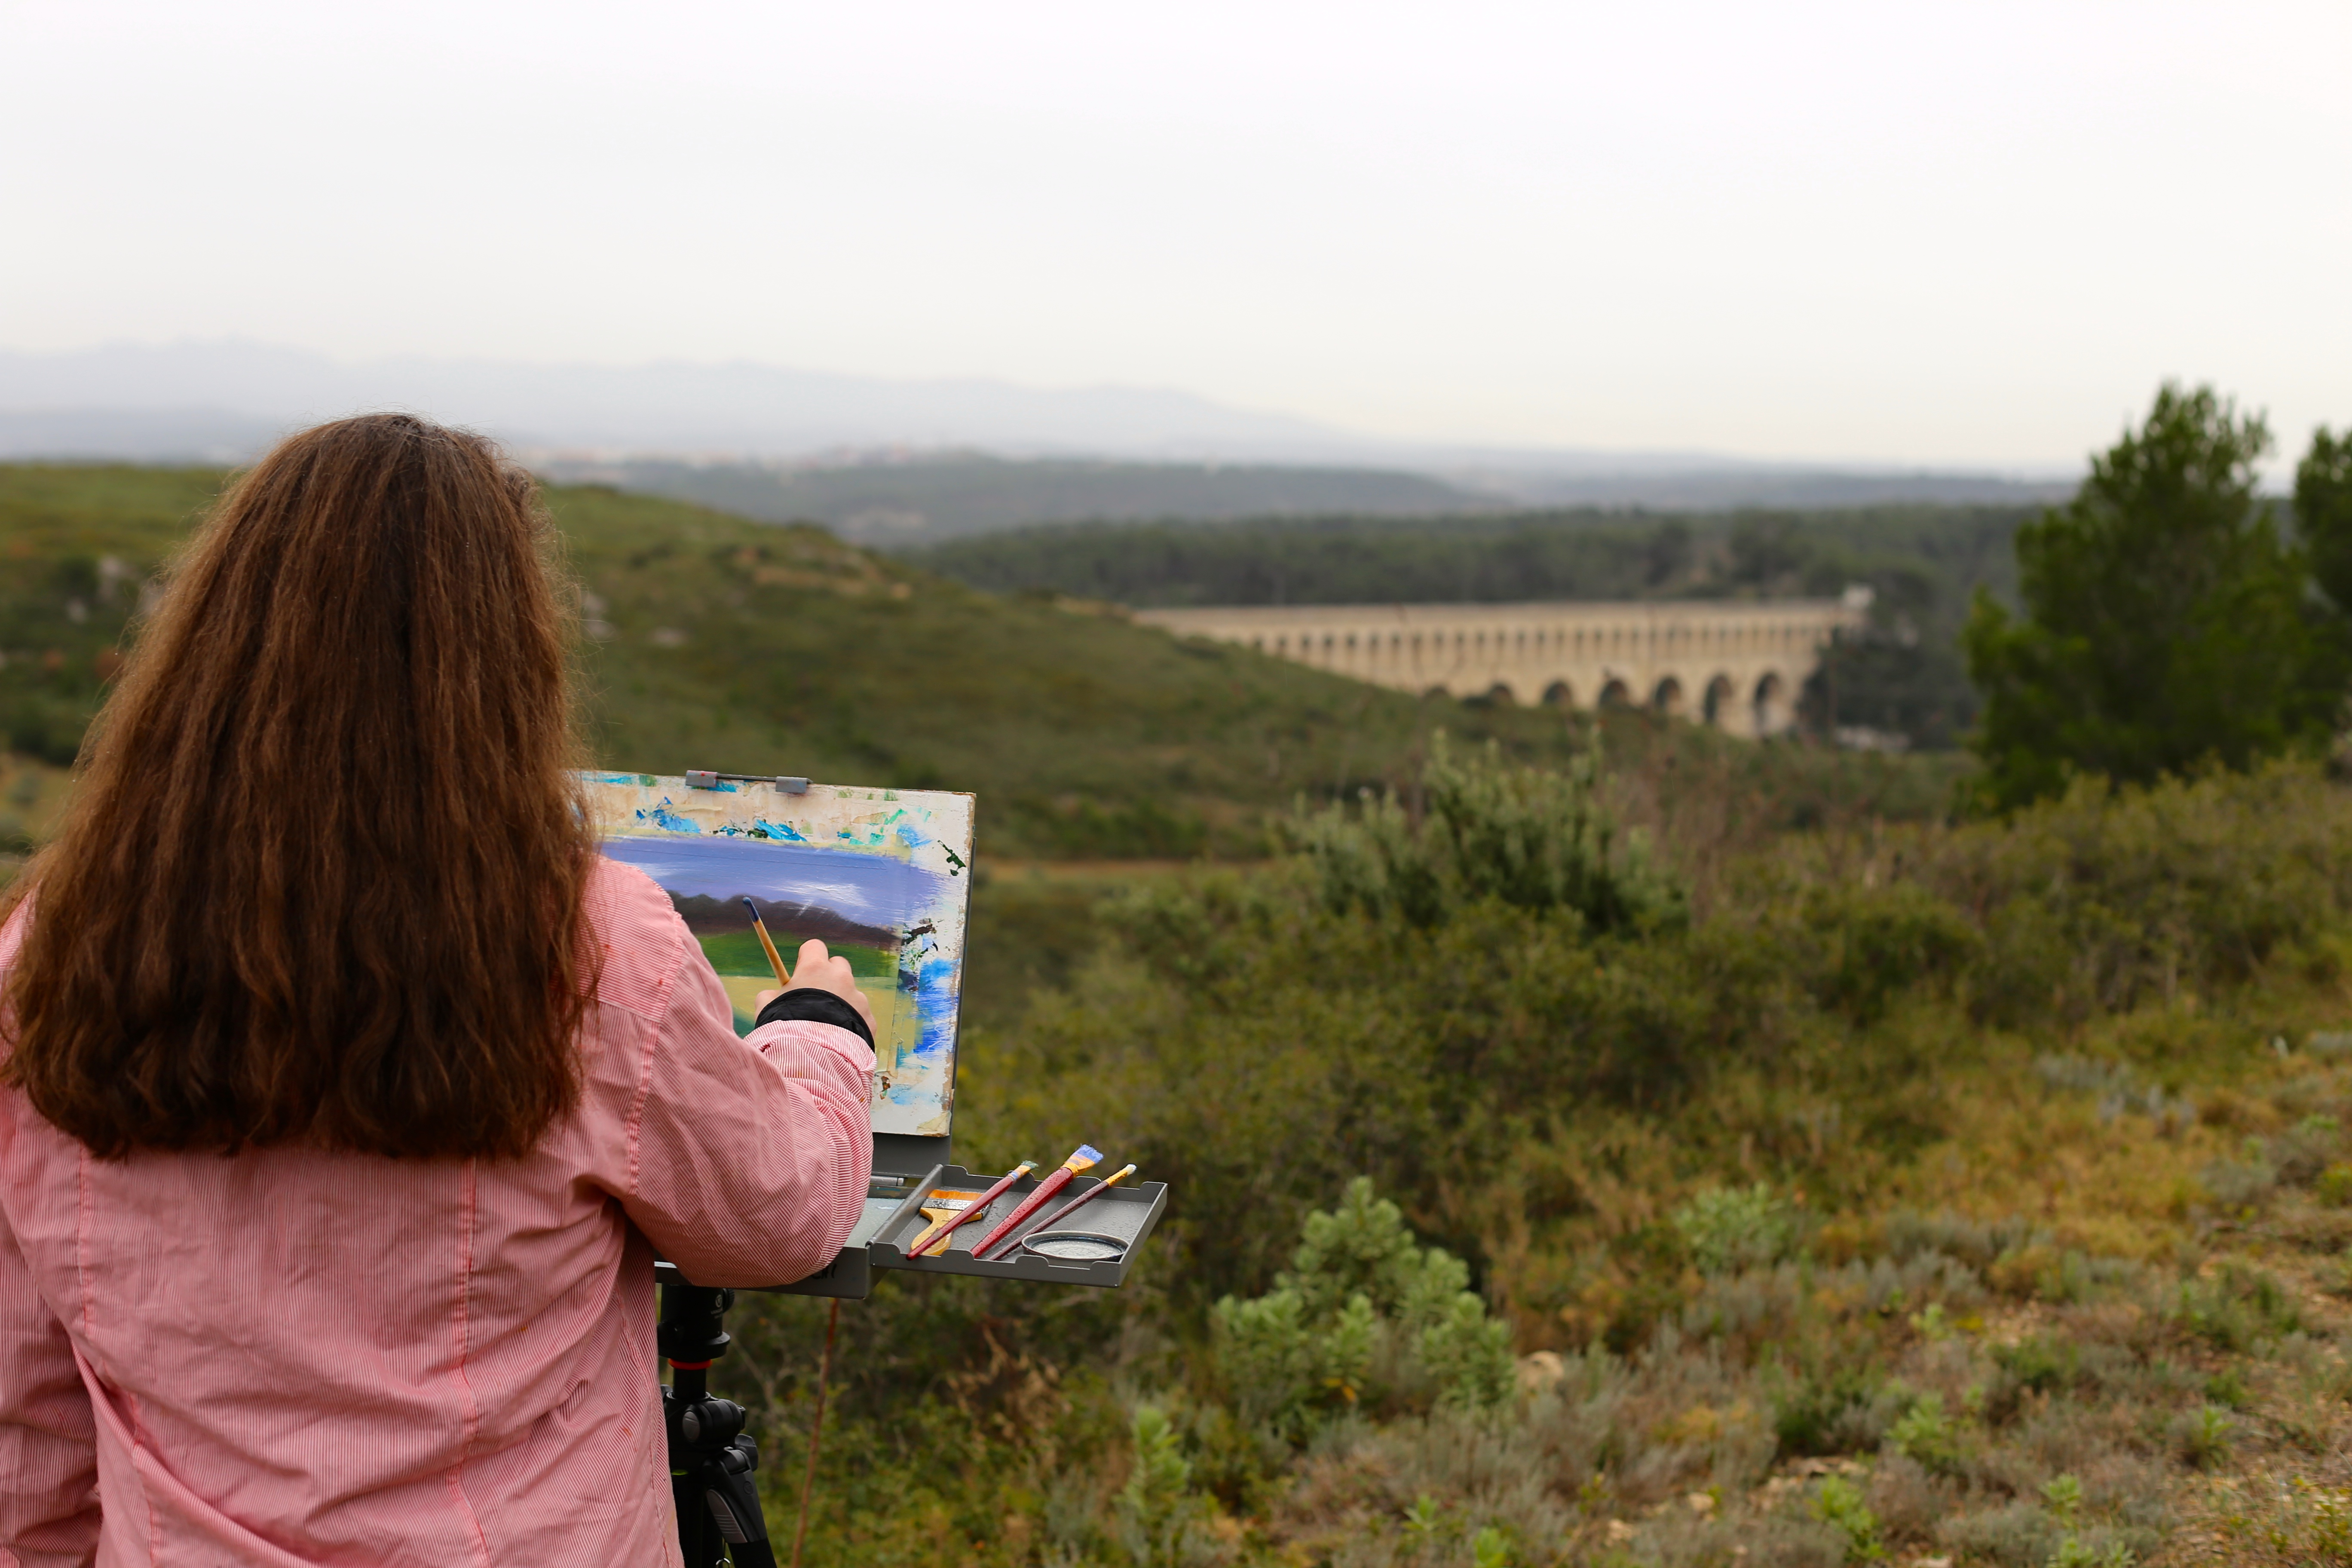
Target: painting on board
(882, 876)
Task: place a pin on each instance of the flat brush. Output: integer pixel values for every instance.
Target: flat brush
(1085, 1155)
(775, 959)
(934, 1241)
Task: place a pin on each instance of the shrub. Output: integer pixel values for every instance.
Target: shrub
(2334, 1186)
(1873, 945)
(2077, 1551)
(2237, 1308)
(1927, 1436)
(1359, 1279)
(1282, 1367)
(1735, 1228)
(2018, 1535)
(1469, 1354)
(1839, 1504)
(2305, 1150)
(2202, 1436)
(1161, 1524)
(1831, 1413)
(1527, 837)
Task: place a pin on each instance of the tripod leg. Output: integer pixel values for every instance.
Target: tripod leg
(733, 1500)
(711, 1460)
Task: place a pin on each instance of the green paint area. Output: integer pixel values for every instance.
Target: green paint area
(740, 952)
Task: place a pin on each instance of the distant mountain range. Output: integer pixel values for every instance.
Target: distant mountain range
(912, 461)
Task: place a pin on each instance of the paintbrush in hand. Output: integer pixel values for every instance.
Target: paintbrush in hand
(775, 959)
(1085, 1155)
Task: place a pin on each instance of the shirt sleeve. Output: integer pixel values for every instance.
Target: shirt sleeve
(49, 1438)
(751, 1156)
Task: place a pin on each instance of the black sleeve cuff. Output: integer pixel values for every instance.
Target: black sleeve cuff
(817, 1007)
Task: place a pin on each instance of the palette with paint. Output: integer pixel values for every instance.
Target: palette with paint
(883, 878)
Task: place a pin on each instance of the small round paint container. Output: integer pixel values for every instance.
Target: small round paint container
(1075, 1247)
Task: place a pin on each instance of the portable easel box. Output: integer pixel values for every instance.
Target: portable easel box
(883, 876)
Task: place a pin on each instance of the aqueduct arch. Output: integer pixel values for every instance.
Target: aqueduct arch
(1737, 665)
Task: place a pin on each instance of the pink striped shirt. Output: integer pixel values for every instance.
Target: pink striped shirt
(290, 1357)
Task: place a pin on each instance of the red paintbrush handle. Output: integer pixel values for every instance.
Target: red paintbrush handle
(1059, 1214)
(935, 1239)
(1046, 1189)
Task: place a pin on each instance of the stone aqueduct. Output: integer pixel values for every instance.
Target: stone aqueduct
(1737, 666)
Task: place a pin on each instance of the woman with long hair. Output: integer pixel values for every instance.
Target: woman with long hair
(346, 1093)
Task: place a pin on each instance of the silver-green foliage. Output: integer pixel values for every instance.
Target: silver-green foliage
(1161, 1522)
(1730, 1228)
(1533, 838)
(1359, 1279)
(1839, 1504)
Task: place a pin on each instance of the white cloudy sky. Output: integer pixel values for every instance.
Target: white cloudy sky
(1966, 232)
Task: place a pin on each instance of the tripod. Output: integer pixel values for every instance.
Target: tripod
(710, 1456)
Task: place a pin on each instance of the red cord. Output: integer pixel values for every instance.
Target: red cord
(816, 1430)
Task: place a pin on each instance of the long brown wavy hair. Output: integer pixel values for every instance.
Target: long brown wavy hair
(320, 879)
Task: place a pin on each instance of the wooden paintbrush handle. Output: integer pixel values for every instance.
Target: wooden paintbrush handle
(1098, 1190)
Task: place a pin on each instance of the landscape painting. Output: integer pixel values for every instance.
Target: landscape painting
(882, 876)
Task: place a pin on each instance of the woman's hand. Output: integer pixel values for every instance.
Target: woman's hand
(817, 969)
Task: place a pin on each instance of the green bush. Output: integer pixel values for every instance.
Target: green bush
(1530, 838)
(1160, 1522)
(1727, 1228)
(1305, 1350)
(1839, 1504)
(2235, 1309)
(2204, 1436)
(1829, 1414)
(2333, 1186)
(1926, 1435)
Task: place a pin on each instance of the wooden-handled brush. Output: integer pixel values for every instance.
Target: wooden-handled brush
(775, 959)
(1081, 1200)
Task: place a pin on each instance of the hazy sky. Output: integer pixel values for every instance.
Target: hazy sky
(1975, 233)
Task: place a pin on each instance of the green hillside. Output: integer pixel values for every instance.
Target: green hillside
(722, 642)
(717, 641)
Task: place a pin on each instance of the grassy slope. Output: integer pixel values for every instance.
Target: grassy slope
(1084, 734)
(722, 642)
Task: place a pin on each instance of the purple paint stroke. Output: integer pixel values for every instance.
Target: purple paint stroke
(867, 889)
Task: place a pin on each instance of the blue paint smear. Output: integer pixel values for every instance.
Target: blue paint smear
(936, 1008)
(613, 778)
(867, 889)
(663, 818)
(723, 787)
(783, 830)
(910, 838)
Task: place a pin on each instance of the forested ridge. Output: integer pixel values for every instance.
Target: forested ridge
(1902, 676)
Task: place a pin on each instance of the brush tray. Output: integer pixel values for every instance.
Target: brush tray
(1125, 1213)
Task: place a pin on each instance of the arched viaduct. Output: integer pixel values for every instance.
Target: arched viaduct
(1735, 664)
